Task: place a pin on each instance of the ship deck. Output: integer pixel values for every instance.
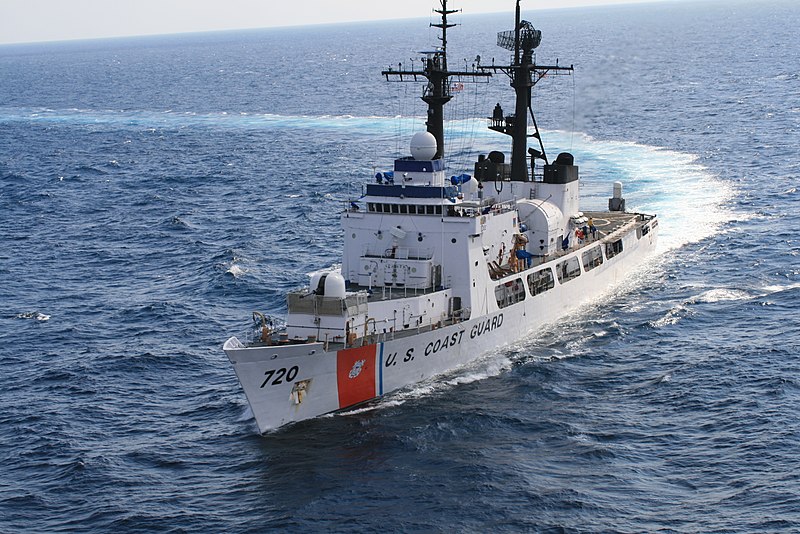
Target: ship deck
(608, 222)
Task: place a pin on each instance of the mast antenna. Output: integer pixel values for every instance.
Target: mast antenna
(524, 74)
(443, 26)
(437, 92)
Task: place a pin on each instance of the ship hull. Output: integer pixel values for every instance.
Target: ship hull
(288, 383)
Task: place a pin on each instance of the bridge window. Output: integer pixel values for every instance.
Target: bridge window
(403, 209)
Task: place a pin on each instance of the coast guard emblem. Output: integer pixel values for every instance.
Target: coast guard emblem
(356, 370)
(356, 373)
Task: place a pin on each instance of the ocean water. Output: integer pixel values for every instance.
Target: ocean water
(155, 191)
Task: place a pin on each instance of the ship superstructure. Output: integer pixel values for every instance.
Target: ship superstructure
(437, 269)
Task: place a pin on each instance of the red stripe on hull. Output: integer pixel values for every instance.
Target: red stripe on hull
(355, 375)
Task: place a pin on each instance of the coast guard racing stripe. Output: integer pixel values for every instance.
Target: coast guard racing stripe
(355, 375)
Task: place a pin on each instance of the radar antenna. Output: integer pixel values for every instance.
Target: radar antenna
(437, 93)
(524, 74)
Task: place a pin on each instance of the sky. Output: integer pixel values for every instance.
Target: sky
(24, 21)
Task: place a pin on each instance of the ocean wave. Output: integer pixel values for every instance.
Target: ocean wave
(671, 317)
(779, 288)
(35, 315)
(719, 295)
(236, 271)
(683, 309)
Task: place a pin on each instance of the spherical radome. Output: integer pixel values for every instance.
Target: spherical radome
(423, 146)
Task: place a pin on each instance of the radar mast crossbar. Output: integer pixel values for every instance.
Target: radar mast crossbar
(524, 74)
(438, 91)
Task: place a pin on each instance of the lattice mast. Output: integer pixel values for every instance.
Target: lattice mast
(524, 74)
(437, 93)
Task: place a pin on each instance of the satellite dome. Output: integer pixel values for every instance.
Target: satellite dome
(423, 146)
(334, 285)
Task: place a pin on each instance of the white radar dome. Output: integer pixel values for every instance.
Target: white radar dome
(423, 146)
(334, 285)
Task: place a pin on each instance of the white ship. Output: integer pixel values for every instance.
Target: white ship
(436, 270)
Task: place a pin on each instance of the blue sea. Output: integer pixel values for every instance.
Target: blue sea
(155, 191)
